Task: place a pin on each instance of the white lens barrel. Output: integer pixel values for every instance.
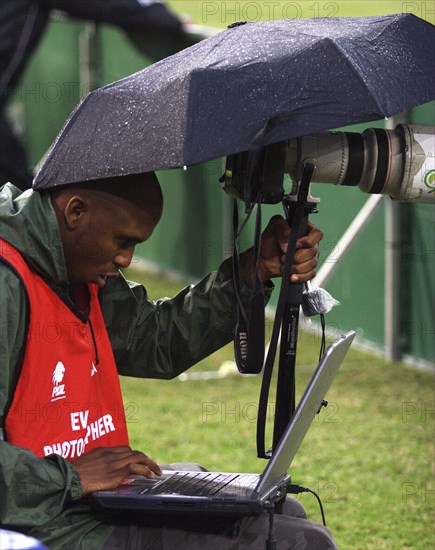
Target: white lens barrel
(399, 162)
(418, 182)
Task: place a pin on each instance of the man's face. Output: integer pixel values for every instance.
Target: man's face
(104, 239)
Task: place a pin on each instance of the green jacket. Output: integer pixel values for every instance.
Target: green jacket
(156, 339)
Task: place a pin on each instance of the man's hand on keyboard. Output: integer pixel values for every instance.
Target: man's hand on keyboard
(104, 468)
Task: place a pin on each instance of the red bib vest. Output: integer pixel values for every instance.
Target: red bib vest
(68, 399)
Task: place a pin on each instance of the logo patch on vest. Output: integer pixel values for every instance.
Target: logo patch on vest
(57, 378)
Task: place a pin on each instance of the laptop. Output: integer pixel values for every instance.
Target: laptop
(224, 493)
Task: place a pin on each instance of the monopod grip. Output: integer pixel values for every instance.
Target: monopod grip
(295, 290)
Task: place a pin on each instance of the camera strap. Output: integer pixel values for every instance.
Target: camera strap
(270, 359)
(250, 327)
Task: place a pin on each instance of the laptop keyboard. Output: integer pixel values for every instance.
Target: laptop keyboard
(200, 484)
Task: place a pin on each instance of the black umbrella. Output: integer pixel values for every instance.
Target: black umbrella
(250, 85)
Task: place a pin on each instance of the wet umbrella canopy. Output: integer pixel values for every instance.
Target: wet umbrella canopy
(250, 85)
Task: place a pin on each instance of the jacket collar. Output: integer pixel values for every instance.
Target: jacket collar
(28, 222)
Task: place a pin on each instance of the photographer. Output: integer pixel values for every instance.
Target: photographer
(61, 254)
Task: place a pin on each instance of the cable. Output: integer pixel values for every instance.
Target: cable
(320, 505)
(297, 489)
(271, 540)
(323, 342)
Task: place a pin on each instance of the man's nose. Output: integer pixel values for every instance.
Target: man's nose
(123, 259)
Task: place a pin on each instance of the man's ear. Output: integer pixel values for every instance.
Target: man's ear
(75, 211)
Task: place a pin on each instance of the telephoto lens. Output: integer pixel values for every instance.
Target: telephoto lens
(398, 162)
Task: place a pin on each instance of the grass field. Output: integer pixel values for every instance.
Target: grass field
(220, 13)
(369, 455)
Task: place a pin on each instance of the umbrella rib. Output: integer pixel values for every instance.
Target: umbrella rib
(63, 134)
(357, 73)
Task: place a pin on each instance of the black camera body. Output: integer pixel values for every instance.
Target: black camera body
(257, 175)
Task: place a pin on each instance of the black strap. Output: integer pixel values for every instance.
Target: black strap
(268, 366)
(250, 328)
